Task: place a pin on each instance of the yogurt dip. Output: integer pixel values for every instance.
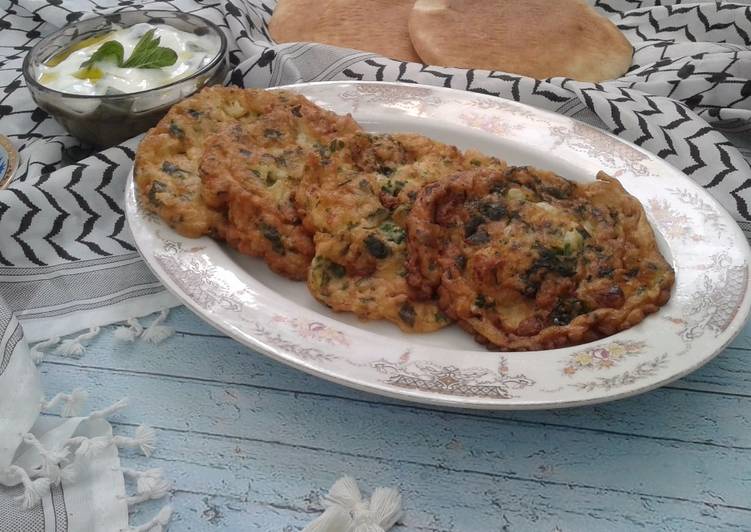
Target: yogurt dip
(63, 71)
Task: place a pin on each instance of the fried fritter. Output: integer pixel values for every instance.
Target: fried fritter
(252, 170)
(528, 260)
(355, 196)
(166, 166)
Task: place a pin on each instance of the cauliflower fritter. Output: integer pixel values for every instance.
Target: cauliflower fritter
(252, 171)
(527, 260)
(356, 195)
(166, 166)
(212, 126)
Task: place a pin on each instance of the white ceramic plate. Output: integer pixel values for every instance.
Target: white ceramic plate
(277, 317)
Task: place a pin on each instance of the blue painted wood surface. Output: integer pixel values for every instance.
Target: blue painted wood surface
(251, 444)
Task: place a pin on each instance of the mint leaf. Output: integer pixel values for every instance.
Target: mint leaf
(148, 54)
(110, 50)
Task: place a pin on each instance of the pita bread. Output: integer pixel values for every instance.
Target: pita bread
(535, 38)
(378, 26)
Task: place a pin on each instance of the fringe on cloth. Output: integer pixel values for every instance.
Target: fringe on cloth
(75, 347)
(345, 509)
(60, 464)
(155, 333)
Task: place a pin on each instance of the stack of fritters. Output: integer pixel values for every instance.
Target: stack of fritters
(226, 162)
(401, 227)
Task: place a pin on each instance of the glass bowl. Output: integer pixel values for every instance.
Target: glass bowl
(106, 120)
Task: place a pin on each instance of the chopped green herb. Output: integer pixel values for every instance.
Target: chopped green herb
(376, 247)
(337, 270)
(273, 134)
(407, 314)
(364, 185)
(555, 261)
(480, 236)
(172, 169)
(271, 234)
(472, 225)
(484, 302)
(176, 131)
(156, 188)
(393, 187)
(492, 211)
(336, 144)
(393, 232)
(566, 309)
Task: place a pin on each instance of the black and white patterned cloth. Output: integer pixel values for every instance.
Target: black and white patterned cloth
(67, 259)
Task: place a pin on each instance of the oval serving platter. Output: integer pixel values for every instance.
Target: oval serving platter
(708, 308)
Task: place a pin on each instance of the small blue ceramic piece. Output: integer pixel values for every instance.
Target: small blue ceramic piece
(8, 161)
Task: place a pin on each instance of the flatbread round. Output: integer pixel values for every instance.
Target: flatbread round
(378, 26)
(536, 38)
(527, 260)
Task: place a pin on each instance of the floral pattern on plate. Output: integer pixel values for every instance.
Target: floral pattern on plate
(603, 357)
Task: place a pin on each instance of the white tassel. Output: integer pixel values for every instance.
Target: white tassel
(88, 447)
(150, 484)
(157, 524)
(33, 490)
(106, 412)
(384, 511)
(345, 492)
(37, 351)
(144, 439)
(73, 402)
(51, 458)
(74, 347)
(386, 507)
(129, 333)
(51, 455)
(333, 519)
(157, 333)
(347, 512)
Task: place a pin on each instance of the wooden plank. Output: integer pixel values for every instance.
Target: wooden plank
(493, 447)
(262, 477)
